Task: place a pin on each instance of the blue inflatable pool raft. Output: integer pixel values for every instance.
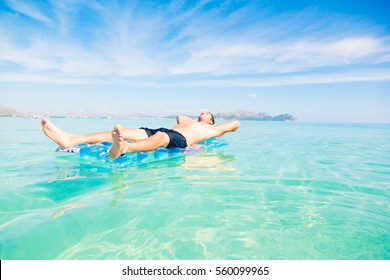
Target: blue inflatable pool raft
(98, 153)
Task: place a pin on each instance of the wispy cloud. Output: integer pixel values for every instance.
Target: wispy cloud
(376, 75)
(156, 45)
(28, 9)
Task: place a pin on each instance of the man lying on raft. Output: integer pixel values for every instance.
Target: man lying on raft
(185, 133)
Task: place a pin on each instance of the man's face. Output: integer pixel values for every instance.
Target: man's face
(206, 117)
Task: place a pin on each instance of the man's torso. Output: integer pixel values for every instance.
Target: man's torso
(194, 132)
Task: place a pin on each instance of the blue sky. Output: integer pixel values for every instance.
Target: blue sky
(317, 60)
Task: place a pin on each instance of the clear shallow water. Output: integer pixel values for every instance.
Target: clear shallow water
(277, 191)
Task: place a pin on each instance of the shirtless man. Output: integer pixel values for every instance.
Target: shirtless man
(185, 133)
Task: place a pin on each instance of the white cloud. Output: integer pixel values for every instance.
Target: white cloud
(179, 111)
(150, 47)
(29, 10)
(45, 79)
(287, 57)
(252, 95)
(294, 79)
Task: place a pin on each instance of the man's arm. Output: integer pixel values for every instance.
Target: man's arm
(181, 119)
(223, 128)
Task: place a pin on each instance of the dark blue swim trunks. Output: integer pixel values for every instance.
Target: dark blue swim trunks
(176, 139)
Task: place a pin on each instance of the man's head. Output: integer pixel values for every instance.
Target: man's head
(206, 117)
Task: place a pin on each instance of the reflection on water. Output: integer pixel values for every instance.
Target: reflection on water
(73, 179)
(65, 208)
(208, 162)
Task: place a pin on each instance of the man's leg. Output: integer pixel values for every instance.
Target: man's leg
(66, 139)
(120, 146)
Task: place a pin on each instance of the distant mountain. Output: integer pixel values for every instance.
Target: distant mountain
(284, 118)
(239, 115)
(8, 111)
(243, 115)
(246, 115)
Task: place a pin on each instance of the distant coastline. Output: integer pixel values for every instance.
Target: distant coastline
(239, 115)
(250, 116)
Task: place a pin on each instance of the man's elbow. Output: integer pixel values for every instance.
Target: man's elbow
(179, 119)
(235, 125)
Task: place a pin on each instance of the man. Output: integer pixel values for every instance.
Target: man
(185, 133)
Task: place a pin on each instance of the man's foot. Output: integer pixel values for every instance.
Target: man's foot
(62, 138)
(119, 145)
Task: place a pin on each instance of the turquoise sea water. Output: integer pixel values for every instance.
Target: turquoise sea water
(277, 191)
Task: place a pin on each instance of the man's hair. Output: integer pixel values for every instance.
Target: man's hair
(212, 118)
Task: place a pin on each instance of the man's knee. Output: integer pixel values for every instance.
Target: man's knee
(163, 138)
(159, 134)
